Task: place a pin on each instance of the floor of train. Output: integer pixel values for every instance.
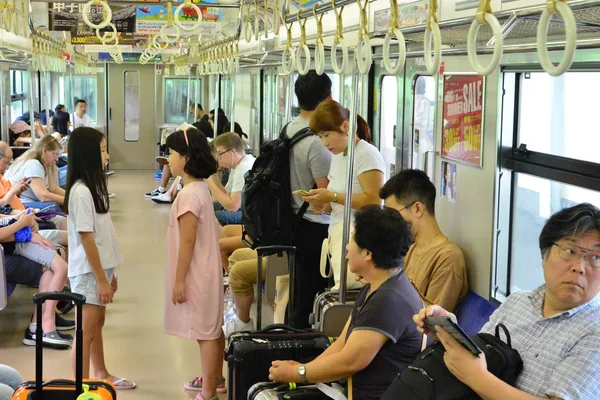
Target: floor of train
(135, 346)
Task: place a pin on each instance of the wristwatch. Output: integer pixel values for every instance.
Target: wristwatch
(302, 373)
(335, 197)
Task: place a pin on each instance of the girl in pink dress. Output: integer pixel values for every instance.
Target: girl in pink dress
(194, 282)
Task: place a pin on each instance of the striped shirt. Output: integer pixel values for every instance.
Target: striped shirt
(561, 354)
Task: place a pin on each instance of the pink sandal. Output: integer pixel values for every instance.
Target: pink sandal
(195, 385)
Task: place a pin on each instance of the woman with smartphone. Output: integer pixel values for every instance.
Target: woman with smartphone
(331, 122)
(39, 164)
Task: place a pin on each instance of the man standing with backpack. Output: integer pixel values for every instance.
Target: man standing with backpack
(273, 216)
(309, 167)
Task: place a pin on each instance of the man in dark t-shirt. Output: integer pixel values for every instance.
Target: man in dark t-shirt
(379, 339)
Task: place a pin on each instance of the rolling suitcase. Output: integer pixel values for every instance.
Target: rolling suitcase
(269, 251)
(62, 389)
(249, 354)
(279, 391)
(329, 314)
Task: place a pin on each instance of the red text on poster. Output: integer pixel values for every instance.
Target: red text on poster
(463, 111)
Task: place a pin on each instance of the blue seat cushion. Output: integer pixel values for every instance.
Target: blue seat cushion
(473, 312)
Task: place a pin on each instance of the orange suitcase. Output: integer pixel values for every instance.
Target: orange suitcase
(62, 389)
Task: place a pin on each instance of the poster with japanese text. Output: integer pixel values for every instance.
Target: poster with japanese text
(150, 19)
(462, 137)
(65, 16)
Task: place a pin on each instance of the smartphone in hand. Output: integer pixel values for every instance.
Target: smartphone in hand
(301, 193)
(453, 329)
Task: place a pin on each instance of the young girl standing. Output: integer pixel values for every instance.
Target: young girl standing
(93, 249)
(194, 282)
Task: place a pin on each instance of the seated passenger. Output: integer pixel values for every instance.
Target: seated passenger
(433, 263)
(555, 328)
(79, 117)
(10, 380)
(237, 128)
(9, 196)
(39, 163)
(198, 113)
(330, 123)
(19, 134)
(61, 123)
(242, 277)
(18, 240)
(378, 340)
(230, 153)
(222, 121)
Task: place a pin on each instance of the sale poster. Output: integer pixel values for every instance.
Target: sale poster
(462, 137)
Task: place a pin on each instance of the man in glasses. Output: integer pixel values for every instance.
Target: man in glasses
(555, 328)
(433, 263)
(230, 153)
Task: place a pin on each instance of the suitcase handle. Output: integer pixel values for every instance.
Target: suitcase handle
(40, 298)
(280, 327)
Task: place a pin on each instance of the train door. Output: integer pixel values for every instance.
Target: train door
(131, 106)
(418, 133)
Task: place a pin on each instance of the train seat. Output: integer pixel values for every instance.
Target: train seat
(473, 312)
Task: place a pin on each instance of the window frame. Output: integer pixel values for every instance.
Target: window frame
(514, 158)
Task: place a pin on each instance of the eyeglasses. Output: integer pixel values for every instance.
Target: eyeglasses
(570, 252)
(407, 206)
(223, 152)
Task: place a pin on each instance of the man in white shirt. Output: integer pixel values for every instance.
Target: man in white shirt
(230, 153)
(79, 117)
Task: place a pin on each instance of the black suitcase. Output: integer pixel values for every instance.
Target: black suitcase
(285, 391)
(269, 251)
(249, 354)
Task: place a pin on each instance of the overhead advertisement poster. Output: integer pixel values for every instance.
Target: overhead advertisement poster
(150, 19)
(462, 138)
(68, 17)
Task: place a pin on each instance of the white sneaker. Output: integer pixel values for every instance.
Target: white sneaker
(237, 325)
(164, 198)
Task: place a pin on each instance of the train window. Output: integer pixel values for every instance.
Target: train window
(177, 101)
(84, 87)
(547, 163)
(568, 112)
(132, 106)
(423, 141)
(19, 87)
(387, 129)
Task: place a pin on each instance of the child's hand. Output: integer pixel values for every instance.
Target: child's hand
(179, 295)
(114, 284)
(105, 292)
(26, 219)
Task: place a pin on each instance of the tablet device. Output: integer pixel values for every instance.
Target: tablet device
(454, 330)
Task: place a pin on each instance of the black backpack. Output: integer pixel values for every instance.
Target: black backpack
(428, 378)
(267, 215)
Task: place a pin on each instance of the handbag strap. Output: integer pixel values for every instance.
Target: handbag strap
(331, 391)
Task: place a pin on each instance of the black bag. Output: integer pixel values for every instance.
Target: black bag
(249, 354)
(428, 378)
(267, 215)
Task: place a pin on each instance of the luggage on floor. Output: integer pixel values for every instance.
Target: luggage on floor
(289, 391)
(62, 389)
(329, 314)
(249, 354)
(269, 251)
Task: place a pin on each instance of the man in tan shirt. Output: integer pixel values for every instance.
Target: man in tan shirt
(433, 263)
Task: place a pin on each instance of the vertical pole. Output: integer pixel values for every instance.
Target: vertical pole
(232, 97)
(356, 81)
(189, 96)
(216, 115)
(31, 101)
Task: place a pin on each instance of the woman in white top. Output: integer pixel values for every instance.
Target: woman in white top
(39, 164)
(330, 122)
